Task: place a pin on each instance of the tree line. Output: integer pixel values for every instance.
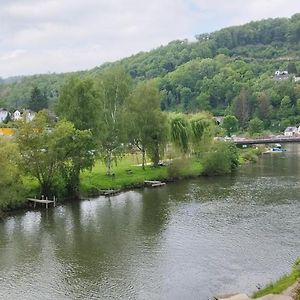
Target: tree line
(102, 118)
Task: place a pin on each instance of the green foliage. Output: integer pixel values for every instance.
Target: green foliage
(230, 124)
(255, 126)
(143, 117)
(54, 156)
(114, 88)
(180, 132)
(177, 166)
(38, 100)
(158, 140)
(10, 184)
(79, 104)
(222, 158)
(250, 154)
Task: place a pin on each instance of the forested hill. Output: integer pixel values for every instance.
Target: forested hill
(209, 73)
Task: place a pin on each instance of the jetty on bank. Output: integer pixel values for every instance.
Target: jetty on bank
(45, 201)
(154, 183)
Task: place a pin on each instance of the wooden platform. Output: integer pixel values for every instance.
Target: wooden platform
(154, 183)
(42, 201)
(108, 193)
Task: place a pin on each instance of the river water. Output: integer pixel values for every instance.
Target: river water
(188, 240)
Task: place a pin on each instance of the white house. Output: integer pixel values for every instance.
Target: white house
(290, 131)
(3, 114)
(281, 75)
(17, 115)
(26, 114)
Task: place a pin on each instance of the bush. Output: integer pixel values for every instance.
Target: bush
(177, 167)
(223, 158)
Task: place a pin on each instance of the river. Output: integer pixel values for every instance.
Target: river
(188, 240)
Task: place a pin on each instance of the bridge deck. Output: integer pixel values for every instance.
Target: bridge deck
(269, 140)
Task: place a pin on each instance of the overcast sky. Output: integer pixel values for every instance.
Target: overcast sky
(40, 36)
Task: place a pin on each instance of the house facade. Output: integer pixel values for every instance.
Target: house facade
(281, 75)
(26, 114)
(291, 131)
(3, 114)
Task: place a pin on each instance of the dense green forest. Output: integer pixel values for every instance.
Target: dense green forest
(227, 72)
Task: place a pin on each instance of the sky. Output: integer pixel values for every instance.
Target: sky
(42, 36)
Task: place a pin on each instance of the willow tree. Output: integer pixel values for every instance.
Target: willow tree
(202, 131)
(180, 131)
(114, 87)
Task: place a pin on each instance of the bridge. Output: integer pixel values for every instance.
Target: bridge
(267, 140)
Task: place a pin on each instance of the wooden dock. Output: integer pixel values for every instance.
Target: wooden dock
(108, 193)
(42, 201)
(154, 183)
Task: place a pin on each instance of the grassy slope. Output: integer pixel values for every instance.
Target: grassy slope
(281, 284)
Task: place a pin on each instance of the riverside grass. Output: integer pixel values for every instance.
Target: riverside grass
(129, 174)
(282, 283)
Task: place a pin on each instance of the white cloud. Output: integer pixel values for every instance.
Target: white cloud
(63, 35)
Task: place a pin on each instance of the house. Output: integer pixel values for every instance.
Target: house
(17, 115)
(281, 75)
(291, 131)
(4, 113)
(26, 114)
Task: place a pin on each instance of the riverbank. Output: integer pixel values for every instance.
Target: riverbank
(285, 288)
(128, 174)
(282, 284)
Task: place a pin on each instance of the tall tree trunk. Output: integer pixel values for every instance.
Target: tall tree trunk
(143, 158)
(109, 164)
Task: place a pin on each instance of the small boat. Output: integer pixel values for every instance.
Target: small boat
(275, 150)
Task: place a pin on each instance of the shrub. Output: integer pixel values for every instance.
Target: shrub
(223, 158)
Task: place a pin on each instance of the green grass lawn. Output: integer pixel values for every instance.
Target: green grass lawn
(128, 174)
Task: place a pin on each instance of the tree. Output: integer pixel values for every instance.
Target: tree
(263, 106)
(292, 69)
(76, 152)
(113, 89)
(230, 124)
(242, 108)
(144, 117)
(54, 156)
(38, 100)
(202, 131)
(256, 126)
(79, 103)
(10, 183)
(222, 159)
(286, 107)
(158, 140)
(180, 130)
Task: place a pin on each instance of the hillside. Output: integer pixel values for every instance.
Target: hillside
(210, 73)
